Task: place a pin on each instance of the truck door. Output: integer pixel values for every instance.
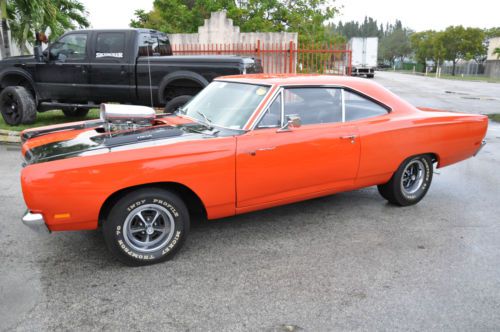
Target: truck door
(111, 67)
(64, 76)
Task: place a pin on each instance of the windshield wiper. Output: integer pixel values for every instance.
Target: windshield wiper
(207, 120)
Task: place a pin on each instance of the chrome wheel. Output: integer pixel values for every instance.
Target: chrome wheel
(148, 228)
(413, 177)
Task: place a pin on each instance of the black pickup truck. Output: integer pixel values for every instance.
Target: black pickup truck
(87, 67)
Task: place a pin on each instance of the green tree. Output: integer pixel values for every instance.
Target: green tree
(395, 43)
(307, 17)
(25, 17)
(461, 43)
(492, 32)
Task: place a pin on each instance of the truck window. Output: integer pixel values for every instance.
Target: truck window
(73, 46)
(110, 45)
(154, 45)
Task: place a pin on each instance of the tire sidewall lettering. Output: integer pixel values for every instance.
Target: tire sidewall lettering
(168, 247)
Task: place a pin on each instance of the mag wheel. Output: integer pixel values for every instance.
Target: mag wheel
(410, 183)
(17, 105)
(146, 227)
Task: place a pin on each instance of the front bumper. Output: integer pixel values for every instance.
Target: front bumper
(483, 143)
(35, 221)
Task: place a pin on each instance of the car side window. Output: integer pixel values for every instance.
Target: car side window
(110, 45)
(359, 107)
(70, 47)
(272, 116)
(314, 105)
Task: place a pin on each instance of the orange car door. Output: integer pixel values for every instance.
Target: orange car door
(321, 155)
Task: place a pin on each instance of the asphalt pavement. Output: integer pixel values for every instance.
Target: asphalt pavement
(344, 262)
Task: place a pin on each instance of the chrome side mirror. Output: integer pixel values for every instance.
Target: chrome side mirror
(292, 121)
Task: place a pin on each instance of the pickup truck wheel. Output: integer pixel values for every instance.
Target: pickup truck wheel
(17, 106)
(370, 75)
(75, 112)
(177, 102)
(146, 226)
(410, 183)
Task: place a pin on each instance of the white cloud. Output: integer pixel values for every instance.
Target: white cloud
(423, 14)
(418, 15)
(109, 14)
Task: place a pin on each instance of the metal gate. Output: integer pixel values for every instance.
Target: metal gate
(281, 58)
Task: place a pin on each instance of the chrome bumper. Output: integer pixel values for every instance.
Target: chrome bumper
(35, 221)
(483, 143)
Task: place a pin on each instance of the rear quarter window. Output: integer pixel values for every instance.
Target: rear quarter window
(358, 107)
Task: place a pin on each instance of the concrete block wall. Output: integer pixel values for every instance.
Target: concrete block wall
(219, 29)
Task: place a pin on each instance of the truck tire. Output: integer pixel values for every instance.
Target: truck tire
(17, 106)
(75, 112)
(177, 102)
(370, 75)
(146, 226)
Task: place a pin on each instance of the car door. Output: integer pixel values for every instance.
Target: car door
(273, 165)
(111, 67)
(64, 75)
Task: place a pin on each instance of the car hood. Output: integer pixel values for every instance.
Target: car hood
(94, 141)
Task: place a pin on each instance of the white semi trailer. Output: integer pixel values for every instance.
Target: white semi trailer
(364, 55)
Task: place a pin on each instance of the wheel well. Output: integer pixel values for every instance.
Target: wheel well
(434, 157)
(193, 202)
(17, 80)
(181, 86)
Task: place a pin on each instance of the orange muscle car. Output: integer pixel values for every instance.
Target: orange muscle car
(244, 143)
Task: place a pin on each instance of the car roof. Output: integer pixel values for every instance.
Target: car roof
(365, 86)
(293, 79)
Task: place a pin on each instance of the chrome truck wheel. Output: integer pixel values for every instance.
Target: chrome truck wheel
(146, 226)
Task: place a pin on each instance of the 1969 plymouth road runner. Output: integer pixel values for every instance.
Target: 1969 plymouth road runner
(244, 143)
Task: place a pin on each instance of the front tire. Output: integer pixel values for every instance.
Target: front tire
(410, 183)
(147, 226)
(17, 106)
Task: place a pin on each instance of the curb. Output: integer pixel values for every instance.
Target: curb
(7, 136)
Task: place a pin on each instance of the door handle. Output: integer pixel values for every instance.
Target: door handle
(352, 138)
(253, 153)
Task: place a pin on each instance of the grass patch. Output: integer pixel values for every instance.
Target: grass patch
(494, 117)
(49, 118)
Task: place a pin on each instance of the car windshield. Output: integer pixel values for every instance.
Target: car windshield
(224, 104)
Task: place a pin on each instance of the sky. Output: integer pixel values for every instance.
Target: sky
(417, 15)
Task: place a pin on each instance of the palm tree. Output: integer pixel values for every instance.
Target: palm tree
(26, 17)
(497, 52)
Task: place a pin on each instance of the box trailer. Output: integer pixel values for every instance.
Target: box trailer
(364, 55)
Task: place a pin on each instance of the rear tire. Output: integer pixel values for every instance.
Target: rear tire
(370, 75)
(410, 183)
(146, 226)
(75, 112)
(17, 106)
(177, 102)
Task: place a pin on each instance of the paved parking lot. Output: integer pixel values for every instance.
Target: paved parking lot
(343, 262)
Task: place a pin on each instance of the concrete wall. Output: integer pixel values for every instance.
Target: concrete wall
(492, 44)
(218, 29)
(492, 68)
